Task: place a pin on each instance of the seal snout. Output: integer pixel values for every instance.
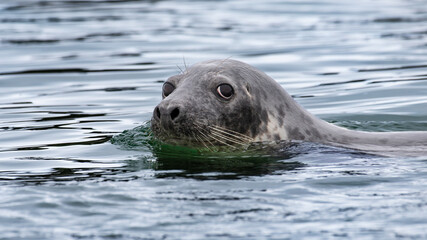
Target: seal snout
(174, 114)
(167, 115)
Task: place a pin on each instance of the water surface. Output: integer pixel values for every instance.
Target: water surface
(75, 73)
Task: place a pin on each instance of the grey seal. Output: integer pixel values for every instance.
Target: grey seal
(230, 103)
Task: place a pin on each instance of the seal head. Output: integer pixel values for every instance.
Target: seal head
(218, 102)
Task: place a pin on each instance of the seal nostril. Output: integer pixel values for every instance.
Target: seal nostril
(157, 112)
(174, 113)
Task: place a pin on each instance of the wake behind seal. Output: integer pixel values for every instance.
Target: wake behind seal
(229, 103)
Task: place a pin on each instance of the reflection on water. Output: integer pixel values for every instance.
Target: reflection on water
(202, 164)
(75, 74)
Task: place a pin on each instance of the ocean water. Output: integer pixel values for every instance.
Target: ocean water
(73, 74)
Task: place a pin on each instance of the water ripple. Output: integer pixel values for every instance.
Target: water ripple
(78, 76)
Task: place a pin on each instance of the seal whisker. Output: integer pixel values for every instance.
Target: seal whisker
(196, 138)
(227, 138)
(220, 141)
(229, 131)
(206, 138)
(231, 136)
(199, 138)
(206, 145)
(202, 137)
(232, 133)
(180, 69)
(215, 137)
(185, 64)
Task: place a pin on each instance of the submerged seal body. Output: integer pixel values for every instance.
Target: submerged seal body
(228, 102)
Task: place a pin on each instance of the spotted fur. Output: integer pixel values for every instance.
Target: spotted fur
(260, 110)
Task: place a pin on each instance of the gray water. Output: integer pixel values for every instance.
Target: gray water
(75, 73)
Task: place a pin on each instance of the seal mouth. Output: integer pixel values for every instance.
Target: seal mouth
(196, 134)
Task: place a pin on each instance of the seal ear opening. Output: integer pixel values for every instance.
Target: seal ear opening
(248, 89)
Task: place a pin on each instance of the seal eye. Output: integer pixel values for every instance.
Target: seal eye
(225, 91)
(167, 89)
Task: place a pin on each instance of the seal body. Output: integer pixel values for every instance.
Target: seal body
(228, 102)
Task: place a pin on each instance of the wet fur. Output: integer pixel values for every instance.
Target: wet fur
(261, 110)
